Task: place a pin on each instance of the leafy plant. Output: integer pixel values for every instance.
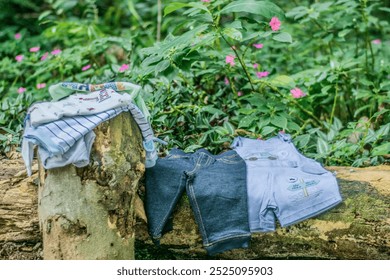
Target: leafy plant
(212, 70)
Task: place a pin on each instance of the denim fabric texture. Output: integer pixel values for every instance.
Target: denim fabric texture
(283, 183)
(216, 188)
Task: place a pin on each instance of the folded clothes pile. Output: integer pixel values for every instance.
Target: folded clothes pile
(240, 191)
(63, 128)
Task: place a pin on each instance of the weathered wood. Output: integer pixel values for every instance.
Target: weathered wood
(19, 231)
(359, 228)
(88, 213)
(18, 205)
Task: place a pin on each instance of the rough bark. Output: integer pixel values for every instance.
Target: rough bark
(18, 211)
(88, 213)
(359, 228)
(19, 230)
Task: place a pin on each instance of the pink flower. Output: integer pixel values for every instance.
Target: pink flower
(230, 60)
(258, 46)
(255, 65)
(124, 67)
(34, 49)
(226, 81)
(207, 1)
(56, 51)
(19, 57)
(21, 90)
(44, 56)
(376, 41)
(262, 74)
(39, 86)
(239, 93)
(86, 67)
(18, 36)
(297, 93)
(275, 24)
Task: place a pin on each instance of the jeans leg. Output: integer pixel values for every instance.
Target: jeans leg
(218, 197)
(165, 184)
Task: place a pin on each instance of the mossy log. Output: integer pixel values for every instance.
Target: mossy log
(89, 213)
(359, 228)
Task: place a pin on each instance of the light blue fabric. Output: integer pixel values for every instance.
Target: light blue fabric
(58, 137)
(282, 182)
(77, 155)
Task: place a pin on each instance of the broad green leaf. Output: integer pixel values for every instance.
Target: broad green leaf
(322, 146)
(44, 14)
(230, 128)
(263, 8)
(283, 81)
(246, 121)
(150, 60)
(263, 122)
(177, 5)
(279, 121)
(192, 148)
(381, 150)
(162, 65)
(235, 24)
(212, 110)
(267, 130)
(221, 130)
(302, 140)
(283, 37)
(292, 126)
(184, 39)
(377, 114)
(344, 32)
(232, 33)
(337, 124)
(383, 131)
(297, 12)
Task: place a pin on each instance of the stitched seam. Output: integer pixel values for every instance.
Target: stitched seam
(197, 212)
(197, 165)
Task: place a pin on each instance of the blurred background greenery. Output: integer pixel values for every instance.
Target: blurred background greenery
(336, 53)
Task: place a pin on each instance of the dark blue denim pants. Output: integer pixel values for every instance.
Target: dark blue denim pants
(216, 187)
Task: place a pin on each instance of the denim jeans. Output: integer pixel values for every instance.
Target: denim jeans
(284, 183)
(216, 188)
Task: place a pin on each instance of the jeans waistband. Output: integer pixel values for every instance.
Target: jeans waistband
(181, 153)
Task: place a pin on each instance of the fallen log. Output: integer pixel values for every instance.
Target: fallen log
(359, 228)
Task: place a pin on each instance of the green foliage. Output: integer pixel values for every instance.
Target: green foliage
(219, 70)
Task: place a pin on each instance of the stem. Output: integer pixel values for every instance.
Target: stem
(241, 62)
(334, 101)
(318, 121)
(159, 18)
(372, 54)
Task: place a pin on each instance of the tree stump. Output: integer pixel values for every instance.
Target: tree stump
(88, 213)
